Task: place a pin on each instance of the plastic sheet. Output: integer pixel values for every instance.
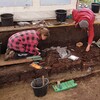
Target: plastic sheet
(73, 57)
(97, 43)
(63, 53)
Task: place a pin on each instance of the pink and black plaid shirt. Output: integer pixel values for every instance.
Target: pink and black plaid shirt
(25, 41)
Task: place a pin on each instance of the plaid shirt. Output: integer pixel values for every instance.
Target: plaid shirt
(25, 41)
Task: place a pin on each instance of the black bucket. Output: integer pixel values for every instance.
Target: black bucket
(61, 15)
(38, 87)
(95, 7)
(7, 19)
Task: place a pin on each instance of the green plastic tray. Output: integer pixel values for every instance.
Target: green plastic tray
(35, 58)
(64, 86)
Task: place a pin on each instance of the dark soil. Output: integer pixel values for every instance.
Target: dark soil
(52, 64)
(86, 60)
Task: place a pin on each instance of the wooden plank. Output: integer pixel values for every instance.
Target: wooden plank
(12, 62)
(69, 22)
(68, 76)
(16, 28)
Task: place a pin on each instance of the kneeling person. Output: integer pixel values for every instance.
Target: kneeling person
(24, 43)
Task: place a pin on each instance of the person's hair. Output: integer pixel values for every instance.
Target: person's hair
(80, 28)
(44, 31)
(84, 24)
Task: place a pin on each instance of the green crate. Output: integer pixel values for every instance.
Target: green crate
(35, 58)
(64, 86)
(36, 62)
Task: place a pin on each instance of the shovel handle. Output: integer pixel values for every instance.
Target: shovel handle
(43, 80)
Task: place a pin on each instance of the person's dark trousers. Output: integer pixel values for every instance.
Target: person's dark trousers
(19, 55)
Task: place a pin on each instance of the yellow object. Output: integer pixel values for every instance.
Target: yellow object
(79, 44)
(36, 66)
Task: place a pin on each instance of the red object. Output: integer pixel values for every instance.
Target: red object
(88, 15)
(25, 41)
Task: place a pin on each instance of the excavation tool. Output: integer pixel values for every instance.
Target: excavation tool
(43, 80)
(37, 66)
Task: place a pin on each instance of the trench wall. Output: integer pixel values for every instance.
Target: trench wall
(61, 35)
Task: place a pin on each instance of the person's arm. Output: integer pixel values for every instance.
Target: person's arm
(88, 47)
(33, 48)
(36, 50)
(90, 37)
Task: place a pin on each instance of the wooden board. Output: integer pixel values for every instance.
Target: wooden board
(75, 75)
(69, 23)
(12, 62)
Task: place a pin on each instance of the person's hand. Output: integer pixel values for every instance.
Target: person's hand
(37, 48)
(73, 22)
(39, 53)
(76, 25)
(88, 48)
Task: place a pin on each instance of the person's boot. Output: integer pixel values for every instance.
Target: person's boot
(7, 51)
(9, 55)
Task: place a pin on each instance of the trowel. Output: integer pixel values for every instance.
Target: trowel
(37, 66)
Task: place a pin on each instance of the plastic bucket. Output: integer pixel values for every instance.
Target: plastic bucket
(61, 15)
(38, 87)
(95, 7)
(7, 19)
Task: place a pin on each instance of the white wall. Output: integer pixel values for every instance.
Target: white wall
(36, 11)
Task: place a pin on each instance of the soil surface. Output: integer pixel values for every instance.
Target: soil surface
(87, 89)
(53, 65)
(86, 59)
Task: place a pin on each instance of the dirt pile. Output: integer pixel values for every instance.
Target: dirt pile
(86, 60)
